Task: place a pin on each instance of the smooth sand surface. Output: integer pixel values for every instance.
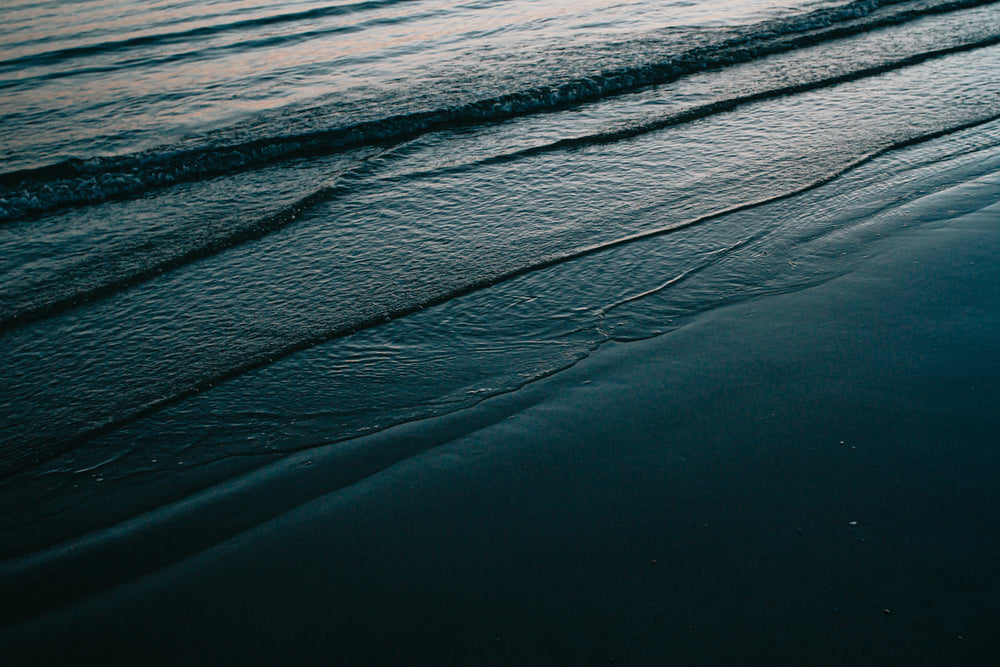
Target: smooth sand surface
(806, 478)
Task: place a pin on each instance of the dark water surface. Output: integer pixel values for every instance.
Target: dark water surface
(234, 230)
(499, 332)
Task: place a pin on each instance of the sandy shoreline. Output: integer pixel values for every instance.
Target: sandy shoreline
(804, 478)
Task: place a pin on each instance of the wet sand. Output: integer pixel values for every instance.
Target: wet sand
(805, 478)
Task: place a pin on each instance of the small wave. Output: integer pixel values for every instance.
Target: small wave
(258, 229)
(77, 182)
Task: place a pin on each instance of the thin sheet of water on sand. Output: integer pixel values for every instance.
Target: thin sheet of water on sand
(804, 477)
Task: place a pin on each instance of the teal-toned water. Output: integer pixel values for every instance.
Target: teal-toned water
(239, 229)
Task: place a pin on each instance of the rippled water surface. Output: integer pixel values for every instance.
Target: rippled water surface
(242, 228)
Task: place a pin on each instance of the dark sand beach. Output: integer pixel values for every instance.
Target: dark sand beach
(500, 332)
(803, 478)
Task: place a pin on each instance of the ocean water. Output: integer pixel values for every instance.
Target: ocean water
(238, 229)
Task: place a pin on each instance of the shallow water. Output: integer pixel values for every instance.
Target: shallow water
(239, 230)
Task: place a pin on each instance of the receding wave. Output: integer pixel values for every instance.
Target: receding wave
(77, 182)
(268, 357)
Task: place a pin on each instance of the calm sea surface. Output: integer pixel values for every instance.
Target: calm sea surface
(241, 228)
